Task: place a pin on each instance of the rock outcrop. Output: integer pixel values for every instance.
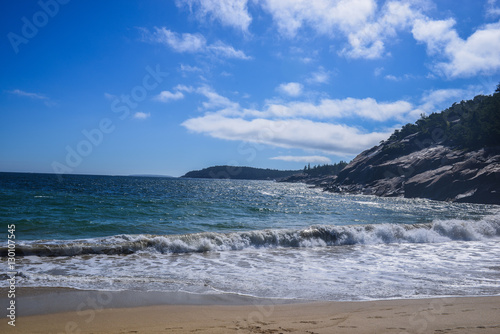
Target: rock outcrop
(439, 172)
(316, 181)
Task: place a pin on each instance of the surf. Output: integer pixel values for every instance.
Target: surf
(313, 236)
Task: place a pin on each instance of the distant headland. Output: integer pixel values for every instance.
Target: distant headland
(239, 173)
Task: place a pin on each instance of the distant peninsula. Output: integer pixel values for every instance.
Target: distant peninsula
(308, 174)
(153, 175)
(239, 173)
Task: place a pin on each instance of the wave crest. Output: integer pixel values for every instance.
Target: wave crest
(314, 236)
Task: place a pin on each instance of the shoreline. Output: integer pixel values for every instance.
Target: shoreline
(85, 311)
(33, 301)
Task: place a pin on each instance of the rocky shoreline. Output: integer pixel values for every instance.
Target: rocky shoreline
(437, 172)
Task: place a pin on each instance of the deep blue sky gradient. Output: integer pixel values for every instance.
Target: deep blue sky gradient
(64, 81)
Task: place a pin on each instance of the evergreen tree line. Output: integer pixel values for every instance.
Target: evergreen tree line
(325, 169)
(466, 125)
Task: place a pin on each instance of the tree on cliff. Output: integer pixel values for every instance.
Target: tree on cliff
(466, 125)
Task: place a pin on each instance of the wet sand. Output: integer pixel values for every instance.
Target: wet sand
(127, 312)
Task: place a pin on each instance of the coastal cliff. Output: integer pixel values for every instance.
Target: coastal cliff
(449, 156)
(438, 172)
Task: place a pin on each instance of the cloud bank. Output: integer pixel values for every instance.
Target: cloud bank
(362, 28)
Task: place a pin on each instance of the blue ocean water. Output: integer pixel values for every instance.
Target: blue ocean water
(257, 238)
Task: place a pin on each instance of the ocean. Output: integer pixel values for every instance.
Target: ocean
(251, 238)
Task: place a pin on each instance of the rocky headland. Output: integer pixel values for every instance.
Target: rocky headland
(452, 156)
(437, 172)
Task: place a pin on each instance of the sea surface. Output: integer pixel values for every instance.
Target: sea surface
(253, 238)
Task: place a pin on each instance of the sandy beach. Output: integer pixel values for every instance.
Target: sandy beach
(94, 312)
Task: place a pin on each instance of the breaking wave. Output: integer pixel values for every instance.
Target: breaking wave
(314, 236)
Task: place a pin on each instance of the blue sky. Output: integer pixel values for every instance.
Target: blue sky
(164, 87)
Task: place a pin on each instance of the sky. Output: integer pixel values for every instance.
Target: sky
(168, 86)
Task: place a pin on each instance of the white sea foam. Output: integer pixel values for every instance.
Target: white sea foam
(314, 236)
(355, 262)
(353, 272)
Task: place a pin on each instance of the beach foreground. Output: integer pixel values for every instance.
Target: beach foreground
(438, 315)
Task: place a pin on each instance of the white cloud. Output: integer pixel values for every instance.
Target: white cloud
(292, 133)
(232, 13)
(307, 159)
(478, 54)
(194, 43)
(368, 41)
(110, 96)
(442, 95)
(184, 88)
(437, 34)
(358, 48)
(180, 43)
(227, 51)
(378, 71)
(297, 124)
(188, 68)
(291, 88)
(392, 77)
(36, 96)
(440, 99)
(367, 30)
(166, 96)
(367, 108)
(304, 56)
(217, 101)
(141, 115)
(365, 27)
(492, 8)
(319, 77)
(321, 15)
